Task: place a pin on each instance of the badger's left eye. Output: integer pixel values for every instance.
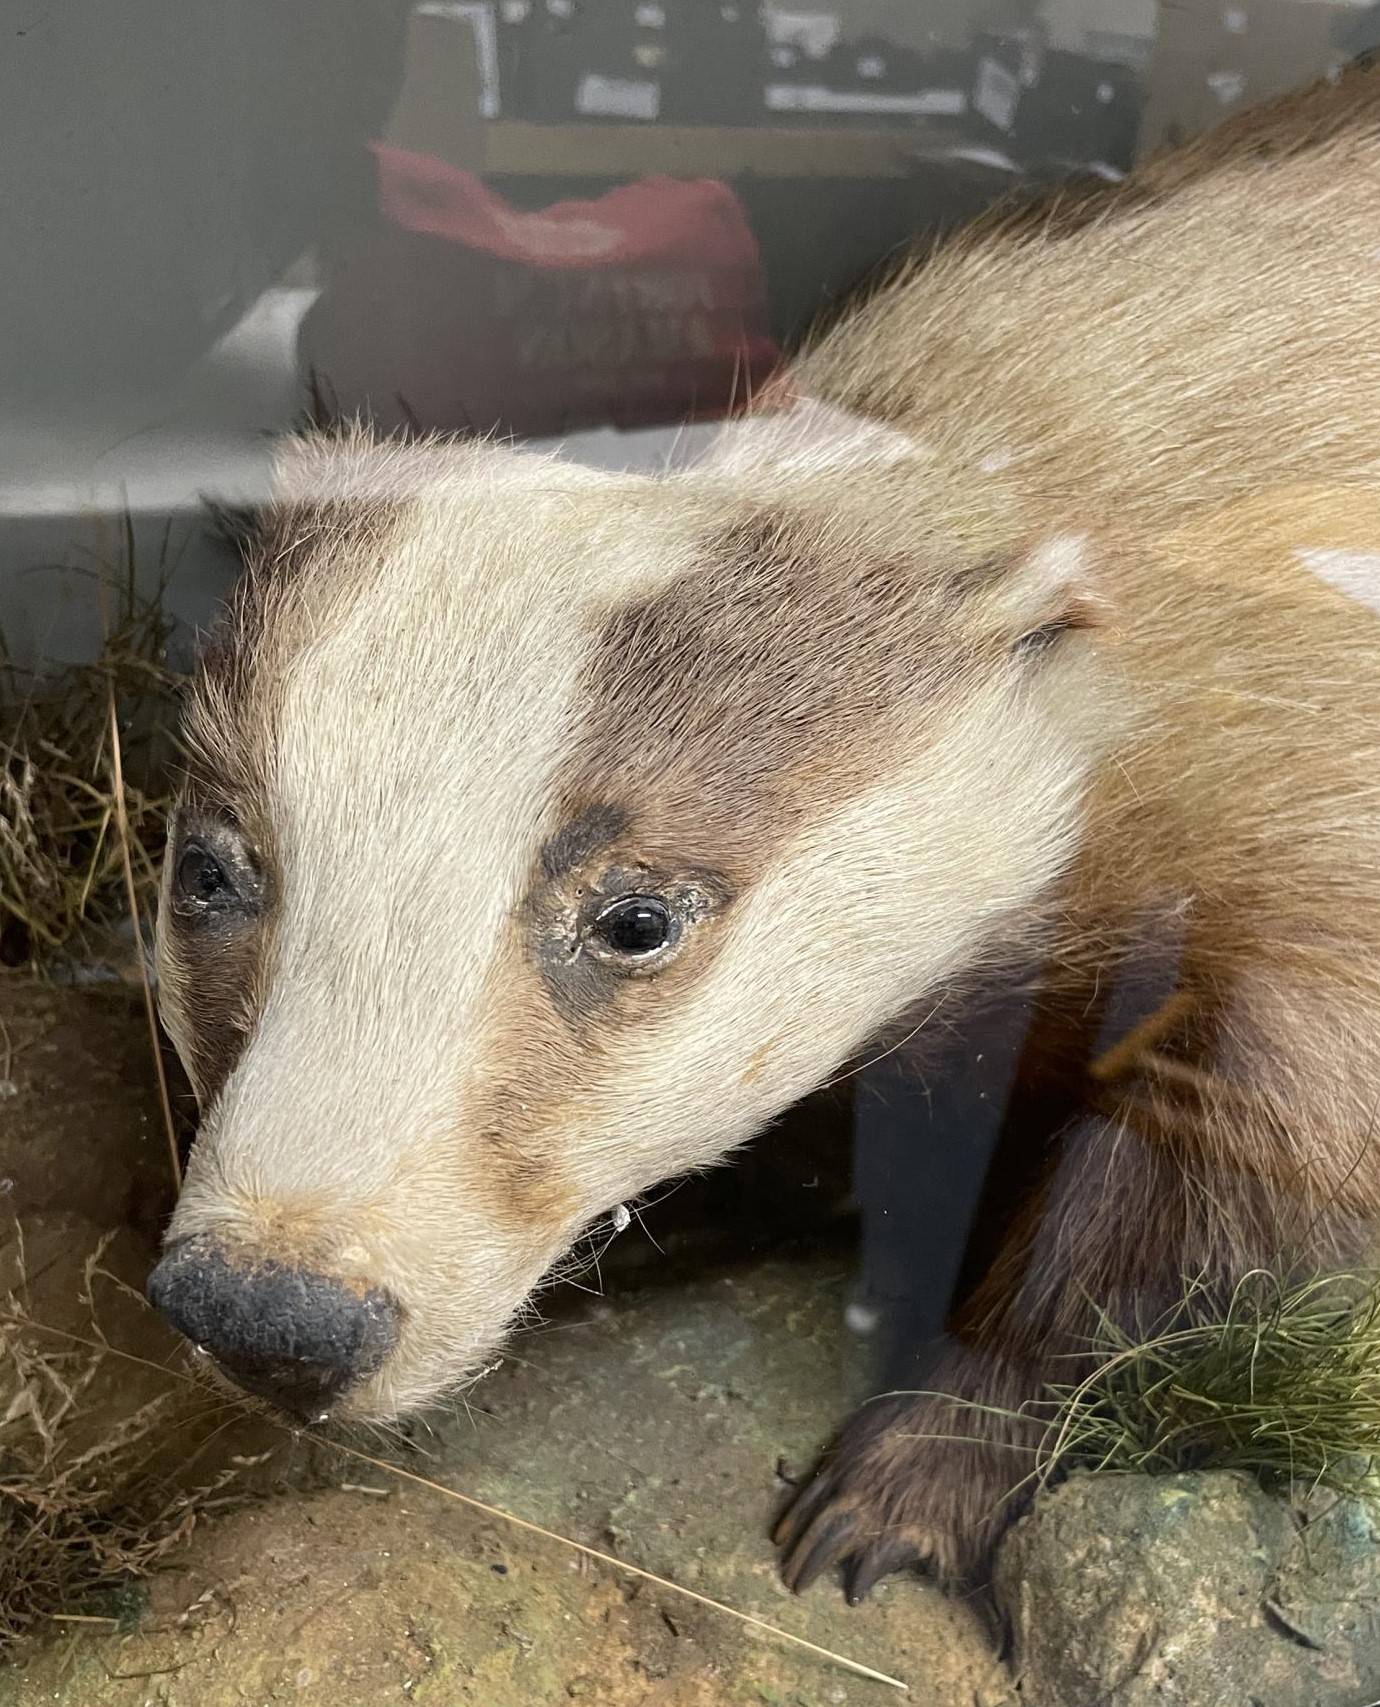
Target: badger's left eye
(199, 877)
(208, 884)
(634, 928)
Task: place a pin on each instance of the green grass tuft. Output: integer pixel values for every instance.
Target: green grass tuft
(1284, 1383)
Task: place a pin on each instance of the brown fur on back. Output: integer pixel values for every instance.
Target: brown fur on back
(1192, 339)
(1151, 349)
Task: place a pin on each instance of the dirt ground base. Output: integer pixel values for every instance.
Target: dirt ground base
(652, 1430)
(657, 1423)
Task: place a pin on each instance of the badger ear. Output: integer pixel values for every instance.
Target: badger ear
(1045, 592)
(788, 432)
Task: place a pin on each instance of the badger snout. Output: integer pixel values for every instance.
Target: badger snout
(290, 1335)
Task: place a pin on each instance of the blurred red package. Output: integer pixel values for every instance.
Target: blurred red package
(458, 311)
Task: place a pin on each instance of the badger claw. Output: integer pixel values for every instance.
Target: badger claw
(897, 1492)
(807, 1499)
(824, 1528)
(863, 1571)
(815, 1548)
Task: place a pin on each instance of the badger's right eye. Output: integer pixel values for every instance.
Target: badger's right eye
(635, 927)
(200, 882)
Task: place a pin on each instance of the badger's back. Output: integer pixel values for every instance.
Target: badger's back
(1153, 348)
(1185, 365)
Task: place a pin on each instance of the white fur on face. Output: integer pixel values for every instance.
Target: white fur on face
(410, 780)
(808, 437)
(416, 745)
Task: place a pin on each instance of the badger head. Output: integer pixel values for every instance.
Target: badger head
(547, 832)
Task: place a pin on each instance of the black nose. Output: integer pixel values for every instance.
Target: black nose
(287, 1334)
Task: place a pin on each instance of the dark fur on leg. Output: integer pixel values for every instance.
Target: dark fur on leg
(916, 1480)
(1180, 1184)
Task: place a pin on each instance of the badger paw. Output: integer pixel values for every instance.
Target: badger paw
(899, 1491)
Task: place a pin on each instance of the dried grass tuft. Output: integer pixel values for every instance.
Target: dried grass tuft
(84, 1511)
(62, 882)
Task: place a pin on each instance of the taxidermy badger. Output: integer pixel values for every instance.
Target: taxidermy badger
(546, 832)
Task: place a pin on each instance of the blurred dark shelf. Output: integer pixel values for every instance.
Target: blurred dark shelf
(516, 148)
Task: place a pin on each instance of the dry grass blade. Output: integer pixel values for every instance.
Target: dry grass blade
(137, 917)
(617, 1564)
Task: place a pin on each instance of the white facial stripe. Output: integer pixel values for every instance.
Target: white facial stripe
(412, 769)
(808, 437)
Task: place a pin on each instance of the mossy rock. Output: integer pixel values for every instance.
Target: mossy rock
(1127, 1591)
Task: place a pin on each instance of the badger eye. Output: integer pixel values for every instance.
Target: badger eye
(634, 927)
(200, 880)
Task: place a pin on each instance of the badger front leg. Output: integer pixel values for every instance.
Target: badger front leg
(931, 1477)
(926, 1479)
(1185, 1179)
